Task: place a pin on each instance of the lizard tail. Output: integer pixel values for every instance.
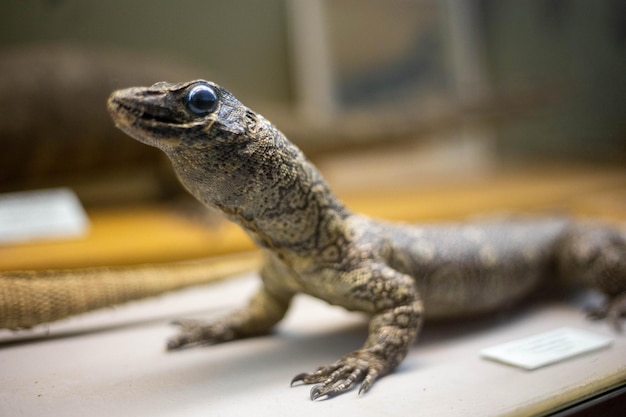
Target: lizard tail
(28, 298)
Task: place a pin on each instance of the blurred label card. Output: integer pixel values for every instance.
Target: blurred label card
(41, 215)
(546, 348)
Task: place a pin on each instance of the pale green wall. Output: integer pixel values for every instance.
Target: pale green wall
(575, 45)
(575, 49)
(243, 41)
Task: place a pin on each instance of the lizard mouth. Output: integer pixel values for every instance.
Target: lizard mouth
(156, 115)
(151, 125)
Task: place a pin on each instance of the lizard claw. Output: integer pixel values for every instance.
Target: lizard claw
(298, 378)
(612, 311)
(358, 367)
(319, 392)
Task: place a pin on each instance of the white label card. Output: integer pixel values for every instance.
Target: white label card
(44, 214)
(546, 348)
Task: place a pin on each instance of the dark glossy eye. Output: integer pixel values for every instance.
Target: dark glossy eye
(201, 100)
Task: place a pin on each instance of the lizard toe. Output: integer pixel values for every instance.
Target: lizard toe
(340, 381)
(197, 333)
(319, 375)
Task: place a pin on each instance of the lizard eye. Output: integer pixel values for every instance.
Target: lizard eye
(201, 100)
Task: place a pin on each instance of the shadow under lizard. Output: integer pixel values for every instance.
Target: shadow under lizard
(233, 159)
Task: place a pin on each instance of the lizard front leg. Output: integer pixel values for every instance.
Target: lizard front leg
(266, 308)
(392, 330)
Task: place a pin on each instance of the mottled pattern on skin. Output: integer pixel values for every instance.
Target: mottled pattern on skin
(233, 159)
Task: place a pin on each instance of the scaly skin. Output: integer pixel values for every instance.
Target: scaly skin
(233, 159)
(30, 298)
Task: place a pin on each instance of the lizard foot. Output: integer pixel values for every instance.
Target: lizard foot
(197, 333)
(612, 311)
(361, 366)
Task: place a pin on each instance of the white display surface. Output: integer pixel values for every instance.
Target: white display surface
(113, 363)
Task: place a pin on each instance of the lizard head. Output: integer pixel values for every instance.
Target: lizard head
(224, 153)
(167, 115)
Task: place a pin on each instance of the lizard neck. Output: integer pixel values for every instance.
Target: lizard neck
(268, 187)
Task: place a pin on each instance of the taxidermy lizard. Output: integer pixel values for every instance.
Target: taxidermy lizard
(233, 159)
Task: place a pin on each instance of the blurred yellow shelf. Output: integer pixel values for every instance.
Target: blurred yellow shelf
(156, 233)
